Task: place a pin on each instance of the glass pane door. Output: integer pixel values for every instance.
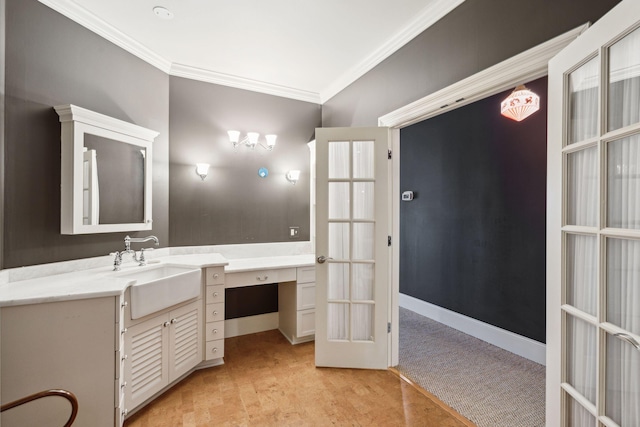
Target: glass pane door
(352, 274)
(351, 231)
(600, 293)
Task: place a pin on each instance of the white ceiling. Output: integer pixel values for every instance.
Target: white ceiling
(301, 49)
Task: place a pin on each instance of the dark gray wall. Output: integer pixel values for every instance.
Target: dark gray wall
(233, 204)
(2, 126)
(51, 60)
(473, 239)
(472, 37)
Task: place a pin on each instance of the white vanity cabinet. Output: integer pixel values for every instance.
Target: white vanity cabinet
(214, 328)
(159, 349)
(297, 306)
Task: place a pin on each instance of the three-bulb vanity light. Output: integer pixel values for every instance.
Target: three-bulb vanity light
(251, 140)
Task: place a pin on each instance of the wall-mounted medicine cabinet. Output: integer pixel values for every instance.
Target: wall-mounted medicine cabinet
(105, 171)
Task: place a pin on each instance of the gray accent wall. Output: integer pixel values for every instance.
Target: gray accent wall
(233, 204)
(473, 237)
(2, 125)
(51, 60)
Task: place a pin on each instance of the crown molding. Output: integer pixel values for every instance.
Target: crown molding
(90, 21)
(526, 66)
(186, 71)
(434, 12)
(429, 16)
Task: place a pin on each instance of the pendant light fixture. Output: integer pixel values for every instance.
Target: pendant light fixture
(520, 104)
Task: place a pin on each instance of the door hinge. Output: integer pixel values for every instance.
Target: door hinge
(389, 154)
(389, 327)
(388, 240)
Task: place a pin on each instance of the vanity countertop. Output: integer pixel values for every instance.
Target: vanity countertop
(103, 281)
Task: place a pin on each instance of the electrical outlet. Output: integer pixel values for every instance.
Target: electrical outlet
(294, 232)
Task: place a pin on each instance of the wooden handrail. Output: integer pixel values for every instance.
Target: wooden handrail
(62, 393)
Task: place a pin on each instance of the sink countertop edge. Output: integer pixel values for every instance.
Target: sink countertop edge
(91, 283)
(101, 282)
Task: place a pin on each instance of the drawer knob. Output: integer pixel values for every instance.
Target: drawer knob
(165, 324)
(215, 294)
(124, 331)
(262, 279)
(125, 412)
(124, 384)
(215, 331)
(124, 304)
(124, 357)
(174, 320)
(214, 350)
(215, 276)
(215, 312)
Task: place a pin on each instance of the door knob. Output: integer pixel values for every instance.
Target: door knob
(322, 259)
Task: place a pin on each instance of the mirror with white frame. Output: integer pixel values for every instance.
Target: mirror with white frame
(105, 173)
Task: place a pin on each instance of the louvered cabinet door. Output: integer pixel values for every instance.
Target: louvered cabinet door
(185, 339)
(147, 370)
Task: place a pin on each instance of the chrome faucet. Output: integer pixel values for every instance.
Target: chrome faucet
(117, 262)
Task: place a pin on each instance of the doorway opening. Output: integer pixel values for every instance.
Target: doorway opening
(526, 66)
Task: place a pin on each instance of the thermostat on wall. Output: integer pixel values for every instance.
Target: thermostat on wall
(407, 196)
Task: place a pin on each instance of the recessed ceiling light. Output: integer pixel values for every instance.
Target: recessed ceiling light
(162, 12)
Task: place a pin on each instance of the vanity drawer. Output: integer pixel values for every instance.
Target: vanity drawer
(215, 312)
(119, 388)
(306, 322)
(306, 274)
(260, 277)
(121, 359)
(215, 293)
(306, 295)
(214, 276)
(215, 331)
(214, 349)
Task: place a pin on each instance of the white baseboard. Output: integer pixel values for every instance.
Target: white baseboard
(522, 346)
(251, 324)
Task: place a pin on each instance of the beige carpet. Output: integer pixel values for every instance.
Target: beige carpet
(488, 385)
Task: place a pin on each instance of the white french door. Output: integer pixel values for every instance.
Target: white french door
(593, 226)
(352, 249)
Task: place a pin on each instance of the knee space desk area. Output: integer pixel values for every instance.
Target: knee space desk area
(294, 277)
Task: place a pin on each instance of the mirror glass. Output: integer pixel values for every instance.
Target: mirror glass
(113, 181)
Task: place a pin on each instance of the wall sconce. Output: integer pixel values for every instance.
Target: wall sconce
(293, 176)
(202, 169)
(251, 140)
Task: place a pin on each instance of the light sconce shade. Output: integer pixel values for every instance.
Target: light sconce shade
(271, 141)
(202, 169)
(251, 140)
(520, 104)
(293, 176)
(234, 137)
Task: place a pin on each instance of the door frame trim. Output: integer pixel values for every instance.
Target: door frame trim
(526, 66)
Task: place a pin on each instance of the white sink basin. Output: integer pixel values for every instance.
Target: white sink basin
(157, 288)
